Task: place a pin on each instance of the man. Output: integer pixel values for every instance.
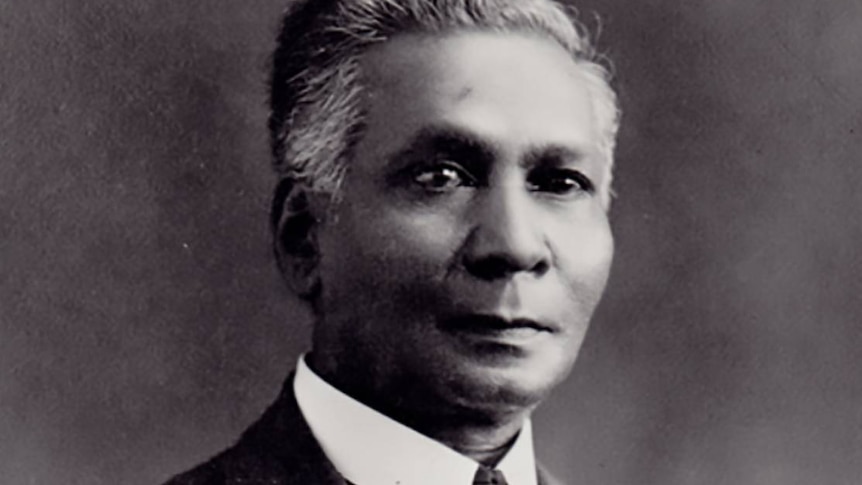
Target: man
(446, 170)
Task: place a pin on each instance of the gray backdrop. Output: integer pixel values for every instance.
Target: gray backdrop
(143, 325)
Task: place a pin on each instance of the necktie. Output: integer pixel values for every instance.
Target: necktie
(489, 476)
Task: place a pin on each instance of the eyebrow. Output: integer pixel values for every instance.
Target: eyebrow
(552, 154)
(449, 140)
(470, 148)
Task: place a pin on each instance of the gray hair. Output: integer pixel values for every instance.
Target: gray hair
(316, 116)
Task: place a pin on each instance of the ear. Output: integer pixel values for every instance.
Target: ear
(294, 228)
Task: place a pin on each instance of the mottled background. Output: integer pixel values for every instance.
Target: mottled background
(143, 325)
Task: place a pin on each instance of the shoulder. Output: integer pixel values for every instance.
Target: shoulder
(240, 464)
(278, 449)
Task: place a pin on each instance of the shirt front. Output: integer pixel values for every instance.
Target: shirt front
(369, 448)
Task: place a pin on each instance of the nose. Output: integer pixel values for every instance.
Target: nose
(506, 236)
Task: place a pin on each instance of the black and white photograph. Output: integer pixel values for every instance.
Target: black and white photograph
(421, 242)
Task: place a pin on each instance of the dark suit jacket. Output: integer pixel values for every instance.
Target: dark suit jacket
(278, 449)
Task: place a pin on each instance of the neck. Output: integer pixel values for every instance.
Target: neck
(484, 435)
(485, 444)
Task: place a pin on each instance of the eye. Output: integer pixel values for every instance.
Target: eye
(442, 177)
(559, 181)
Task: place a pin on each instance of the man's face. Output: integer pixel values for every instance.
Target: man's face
(470, 247)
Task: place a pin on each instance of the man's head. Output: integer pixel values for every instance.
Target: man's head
(447, 167)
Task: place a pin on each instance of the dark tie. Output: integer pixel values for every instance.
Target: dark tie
(489, 476)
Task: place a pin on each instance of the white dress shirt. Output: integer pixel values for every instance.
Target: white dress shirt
(369, 448)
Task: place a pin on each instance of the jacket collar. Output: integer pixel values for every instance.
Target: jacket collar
(279, 449)
(283, 437)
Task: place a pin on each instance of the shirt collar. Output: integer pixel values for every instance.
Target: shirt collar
(369, 448)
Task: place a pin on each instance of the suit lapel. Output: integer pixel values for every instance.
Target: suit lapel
(291, 454)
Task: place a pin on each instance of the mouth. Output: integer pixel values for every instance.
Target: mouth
(494, 327)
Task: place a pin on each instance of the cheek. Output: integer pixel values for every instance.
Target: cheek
(583, 253)
(413, 239)
(386, 255)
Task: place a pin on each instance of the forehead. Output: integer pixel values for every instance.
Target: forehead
(511, 89)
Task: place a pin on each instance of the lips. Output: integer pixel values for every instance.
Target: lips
(491, 325)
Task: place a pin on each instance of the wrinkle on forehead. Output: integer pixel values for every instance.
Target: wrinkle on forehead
(385, 64)
(416, 67)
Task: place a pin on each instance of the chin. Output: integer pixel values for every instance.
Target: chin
(502, 388)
